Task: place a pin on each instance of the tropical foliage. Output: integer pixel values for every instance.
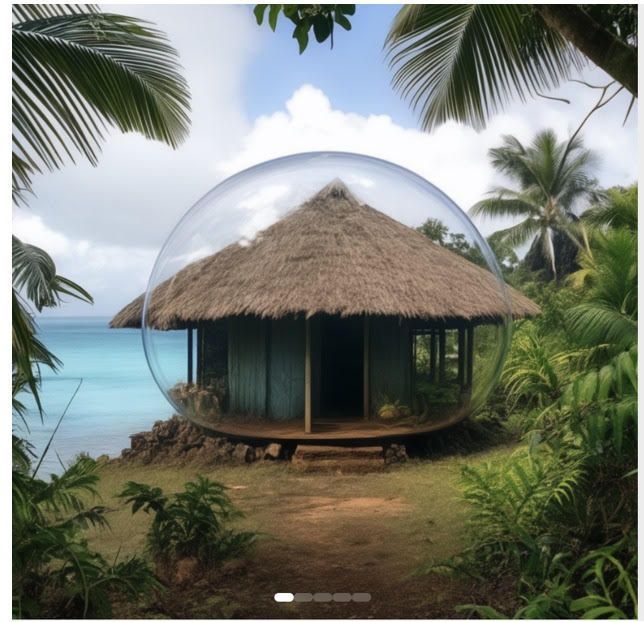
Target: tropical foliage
(191, 523)
(322, 18)
(552, 181)
(465, 62)
(35, 282)
(76, 71)
(559, 518)
(55, 573)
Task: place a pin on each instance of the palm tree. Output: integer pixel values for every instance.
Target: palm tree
(467, 61)
(552, 178)
(77, 71)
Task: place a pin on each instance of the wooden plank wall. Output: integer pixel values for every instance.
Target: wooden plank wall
(247, 360)
(390, 361)
(286, 369)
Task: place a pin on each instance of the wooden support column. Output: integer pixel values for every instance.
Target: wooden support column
(432, 356)
(441, 355)
(200, 371)
(461, 357)
(365, 369)
(470, 357)
(190, 355)
(308, 406)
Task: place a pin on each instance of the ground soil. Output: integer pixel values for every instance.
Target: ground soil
(324, 533)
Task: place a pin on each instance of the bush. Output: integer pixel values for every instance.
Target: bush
(55, 573)
(189, 524)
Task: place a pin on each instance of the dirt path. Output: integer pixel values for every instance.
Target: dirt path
(330, 533)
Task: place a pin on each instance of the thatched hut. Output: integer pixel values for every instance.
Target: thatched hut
(318, 317)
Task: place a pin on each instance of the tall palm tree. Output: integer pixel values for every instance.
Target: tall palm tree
(467, 61)
(77, 71)
(552, 178)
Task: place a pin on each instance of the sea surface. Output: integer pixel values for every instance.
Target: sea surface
(117, 396)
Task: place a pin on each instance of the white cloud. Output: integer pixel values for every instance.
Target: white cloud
(453, 157)
(112, 273)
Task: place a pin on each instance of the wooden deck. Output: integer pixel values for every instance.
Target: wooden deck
(346, 431)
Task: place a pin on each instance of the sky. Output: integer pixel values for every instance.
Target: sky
(255, 98)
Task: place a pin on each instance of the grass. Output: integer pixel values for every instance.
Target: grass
(325, 532)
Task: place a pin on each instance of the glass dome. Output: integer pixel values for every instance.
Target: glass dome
(327, 293)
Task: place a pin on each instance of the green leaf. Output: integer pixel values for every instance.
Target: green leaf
(322, 26)
(259, 11)
(273, 14)
(301, 34)
(341, 20)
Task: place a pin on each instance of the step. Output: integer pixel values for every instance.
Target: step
(338, 459)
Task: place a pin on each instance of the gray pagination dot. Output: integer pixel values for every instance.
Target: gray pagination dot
(303, 597)
(322, 597)
(342, 597)
(361, 597)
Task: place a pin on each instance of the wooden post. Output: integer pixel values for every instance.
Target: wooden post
(441, 355)
(461, 357)
(200, 370)
(470, 357)
(307, 379)
(432, 356)
(190, 354)
(365, 369)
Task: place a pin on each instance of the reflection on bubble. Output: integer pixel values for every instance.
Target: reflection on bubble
(315, 308)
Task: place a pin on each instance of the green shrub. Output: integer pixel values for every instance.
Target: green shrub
(191, 523)
(55, 573)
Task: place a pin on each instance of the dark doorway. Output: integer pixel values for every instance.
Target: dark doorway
(341, 366)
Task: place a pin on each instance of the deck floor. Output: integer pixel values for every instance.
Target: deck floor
(352, 430)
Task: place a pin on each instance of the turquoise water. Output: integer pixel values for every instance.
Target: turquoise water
(118, 395)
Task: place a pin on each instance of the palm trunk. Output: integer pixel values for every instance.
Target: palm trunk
(614, 56)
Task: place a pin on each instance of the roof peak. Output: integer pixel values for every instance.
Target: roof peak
(335, 189)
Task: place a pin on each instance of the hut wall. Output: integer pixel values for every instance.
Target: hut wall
(389, 361)
(286, 369)
(247, 365)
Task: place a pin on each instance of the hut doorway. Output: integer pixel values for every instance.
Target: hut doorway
(341, 367)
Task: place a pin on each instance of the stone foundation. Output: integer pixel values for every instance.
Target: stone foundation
(177, 441)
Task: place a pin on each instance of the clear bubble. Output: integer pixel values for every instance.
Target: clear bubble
(305, 304)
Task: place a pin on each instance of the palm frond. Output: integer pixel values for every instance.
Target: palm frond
(594, 323)
(34, 272)
(519, 234)
(76, 72)
(500, 206)
(617, 208)
(465, 61)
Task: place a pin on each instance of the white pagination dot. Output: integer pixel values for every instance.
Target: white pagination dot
(283, 597)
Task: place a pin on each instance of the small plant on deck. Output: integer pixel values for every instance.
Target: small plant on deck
(191, 524)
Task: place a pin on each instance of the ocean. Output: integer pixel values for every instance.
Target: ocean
(117, 397)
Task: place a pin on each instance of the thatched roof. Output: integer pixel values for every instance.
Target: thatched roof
(331, 255)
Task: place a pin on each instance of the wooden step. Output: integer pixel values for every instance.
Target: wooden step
(338, 459)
